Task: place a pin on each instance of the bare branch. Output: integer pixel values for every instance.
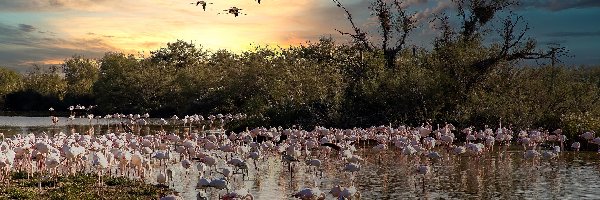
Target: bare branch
(395, 25)
(359, 36)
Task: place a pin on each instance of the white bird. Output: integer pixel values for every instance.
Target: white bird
(576, 146)
(531, 154)
(161, 178)
(351, 167)
(434, 156)
(239, 194)
(203, 183)
(219, 183)
(547, 155)
(171, 197)
(349, 192)
(309, 194)
(458, 150)
(587, 135)
(423, 169)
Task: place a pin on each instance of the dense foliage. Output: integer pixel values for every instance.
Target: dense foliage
(462, 79)
(320, 83)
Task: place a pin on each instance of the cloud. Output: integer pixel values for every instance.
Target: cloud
(62, 28)
(441, 7)
(50, 5)
(21, 47)
(575, 34)
(26, 28)
(408, 3)
(553, 42)
(558, 5)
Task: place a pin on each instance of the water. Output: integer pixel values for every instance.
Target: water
(26, 125)
(497, 175)
(571, 176)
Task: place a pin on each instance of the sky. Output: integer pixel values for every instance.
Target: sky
(46, 32)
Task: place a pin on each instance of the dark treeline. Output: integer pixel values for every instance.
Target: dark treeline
(320, 83)
(472, 75)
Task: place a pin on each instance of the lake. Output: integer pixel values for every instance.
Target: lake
(501, 174)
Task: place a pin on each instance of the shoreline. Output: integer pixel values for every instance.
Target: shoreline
(78, 186)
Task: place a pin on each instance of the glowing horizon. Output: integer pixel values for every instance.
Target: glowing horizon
(49, 31)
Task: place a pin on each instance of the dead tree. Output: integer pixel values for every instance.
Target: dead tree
(477, 15)
(395, 25)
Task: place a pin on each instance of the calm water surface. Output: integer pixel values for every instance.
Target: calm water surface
(497, 175)
(571, 176)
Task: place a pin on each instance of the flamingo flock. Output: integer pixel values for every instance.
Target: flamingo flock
(218, 158)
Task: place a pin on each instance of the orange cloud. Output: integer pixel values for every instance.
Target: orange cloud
(135, 27)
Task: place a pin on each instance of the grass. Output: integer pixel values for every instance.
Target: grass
(81, 186)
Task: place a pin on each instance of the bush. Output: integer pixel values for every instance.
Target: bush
(574, 124)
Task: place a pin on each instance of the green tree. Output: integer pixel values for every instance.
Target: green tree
(80, 74)
(114, 90)
(181, 54)
(10, 81)
(128, 84)
(47, 83)
(41, 89)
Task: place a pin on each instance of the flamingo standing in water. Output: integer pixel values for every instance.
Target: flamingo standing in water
(352, 168)
(423, 170)
(310, 194)
(345, 192)
(241, 194)
(576, 146)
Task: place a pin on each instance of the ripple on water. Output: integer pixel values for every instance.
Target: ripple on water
(509, 177)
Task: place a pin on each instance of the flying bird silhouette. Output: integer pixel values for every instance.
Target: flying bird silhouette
(203, 3)
(233, 10)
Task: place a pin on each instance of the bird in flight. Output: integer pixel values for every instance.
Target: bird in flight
(233, 10)
(203, 3)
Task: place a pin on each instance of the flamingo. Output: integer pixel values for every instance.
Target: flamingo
(241, 194)
(186, 164)
(423, 170)
(161, 178)
(349, 193)
(316, 163)
(352, 168)
(310, 194)
(576, 146)
(531, 154)
(344, 193)
(172, 197)
(203, 183)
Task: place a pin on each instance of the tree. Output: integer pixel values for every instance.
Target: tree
(80, 74)
(10, 81)
(185, 68)
(395, 24)
(48, 83)
(477, 17)
(180, 54)
(115, 86)
(40, 90)
(128, 84)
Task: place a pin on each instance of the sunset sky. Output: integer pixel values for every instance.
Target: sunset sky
(48, 31)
